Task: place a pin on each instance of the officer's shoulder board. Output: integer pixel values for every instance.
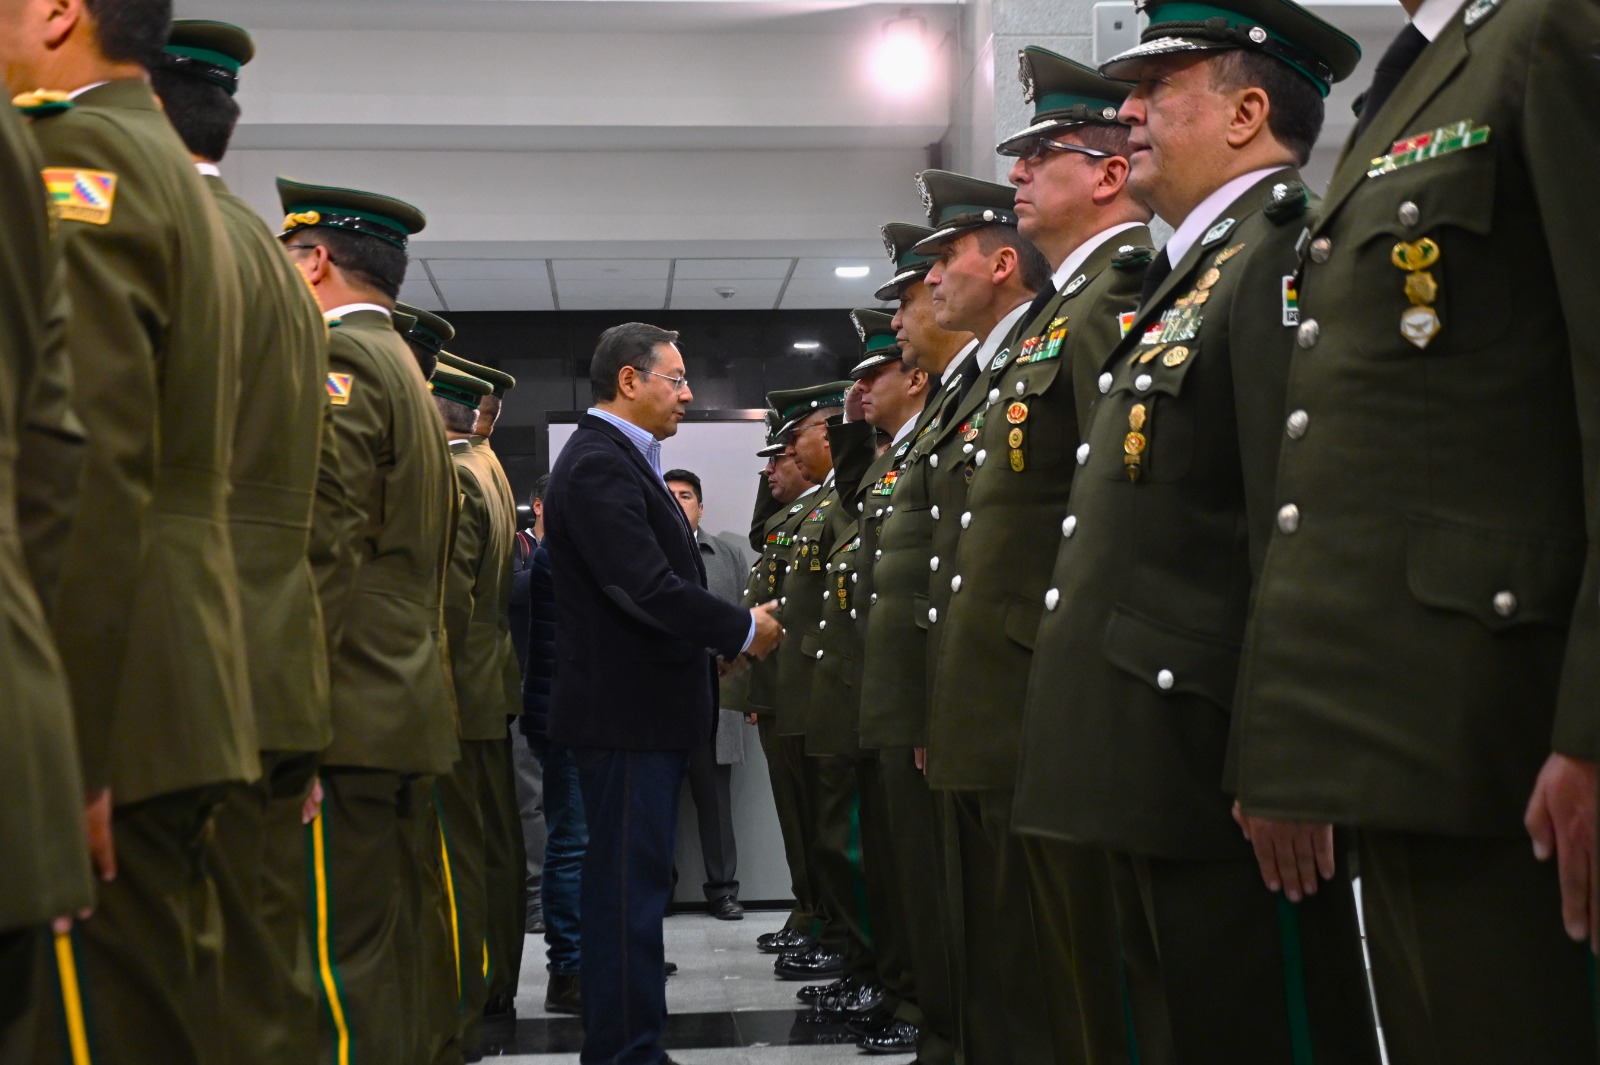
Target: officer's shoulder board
(1287, 201)
(42, 103)
(1131, 255)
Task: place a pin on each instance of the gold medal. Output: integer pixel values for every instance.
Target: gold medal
(1200, 298)
(1421, 288)
(1419, 256)
(1420, 325)
(1015, 437)
(1209, 278)
(1136, 417)
(1017, 412)
(970, 435)
(1016, 461)
(1135, 443)
(1175, 356)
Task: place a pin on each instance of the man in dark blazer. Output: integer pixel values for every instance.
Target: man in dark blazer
(635, 684)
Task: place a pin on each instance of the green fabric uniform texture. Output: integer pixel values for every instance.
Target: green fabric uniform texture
(505, 868)
(426, 945)
(461, 819)
(46, 872)
(835, 856)
(800, 607)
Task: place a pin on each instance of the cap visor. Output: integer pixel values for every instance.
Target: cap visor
(1012, 145)
(1125, 67)
(771, 451)
(936, 241)
(866, 366)
(897, 284)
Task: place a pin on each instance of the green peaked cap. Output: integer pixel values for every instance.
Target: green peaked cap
(909, 266)
(209, 50)
(403, 323)
(500, 381)
(458, 387)
(369, 213)
(958, 204)
(793, 404)
(1283, 29)
(878, 345)
(426, 329)
(775, 444)
(1063, 94)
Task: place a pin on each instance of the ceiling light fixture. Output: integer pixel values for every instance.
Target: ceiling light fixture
(902, 62)
(851, 272)
(807, 345)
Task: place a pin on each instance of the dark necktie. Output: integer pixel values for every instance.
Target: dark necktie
(1392, 67)
(1157, 273)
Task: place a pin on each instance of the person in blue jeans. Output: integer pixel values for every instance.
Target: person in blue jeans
(567, 832)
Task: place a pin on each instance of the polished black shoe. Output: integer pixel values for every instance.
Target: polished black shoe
(727, 908)
(562, 994)
(864, 999)
(818, 963)
(898, 1038)
(875, 1021)
(812, 992)
(534, 925)
(671, 968)
(784, 942)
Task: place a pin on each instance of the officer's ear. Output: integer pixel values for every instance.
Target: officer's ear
(60, 18)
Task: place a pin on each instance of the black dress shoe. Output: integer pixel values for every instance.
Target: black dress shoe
(812, 992)
(727, 908)
(818, 963)
(562, 994)
(875, 1021)
(863, 999)
(671, 968)
(898, 1038)
(784, 942)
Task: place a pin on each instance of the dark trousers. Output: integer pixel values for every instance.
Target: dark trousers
(1469, 959)
(786, 762)
(266, 1009)
(505, 869)
(630, 799)
(1002, 1001)
(885, 922)
(834, 847)
(1075, 915)
(566, 842)
(461, 822)
(1221, 970)
(33, 993)
(137, 963)
(713, 807)
(530, 808)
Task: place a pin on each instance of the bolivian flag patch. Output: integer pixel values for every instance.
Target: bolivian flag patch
(339, 385)
(81, 195)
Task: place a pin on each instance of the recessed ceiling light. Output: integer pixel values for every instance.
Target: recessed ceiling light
(807, 345)
(851, 271)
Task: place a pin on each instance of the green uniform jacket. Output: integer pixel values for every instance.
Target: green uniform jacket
(510, 673)
(894, 692)
(46, 868)
(147, 614)
(479, 562)
(800, 607)
(1007, 549)
(759, 694)
(1430, 629)
(393, 707)
(277, 442)
(1131, 690)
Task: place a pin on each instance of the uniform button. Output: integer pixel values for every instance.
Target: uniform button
(934, 510)
(1069, 525)
(861, 508)
(1505, 604)
(966, 449)
(1321, 248)
(1299, 421)
(1409, 214)
(890, 510)
(1288, 517)
(852, 613)
(825, 596)
(821, 625)
(994, 395)
(873, 598)
(1052, 599)
(966, 519)
(854, 577)
(933, 460)
(933, 563)
(955, 583)
(980, 456)
(830, 567)
(1164, 680)
(933, 615)
(783, 601)
(819, 653)
(1309, 332)
(1083, 454)
(877, 554)
(1022, 387)
(1142, 382)
(1105, 383)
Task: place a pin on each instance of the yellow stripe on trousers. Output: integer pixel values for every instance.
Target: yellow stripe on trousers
(450, 894)
(330, 983)
(72, 999)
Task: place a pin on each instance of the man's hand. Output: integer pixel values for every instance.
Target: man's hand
(1291, 854)
(752, 719)
(1561, 820)
(853, 411)
(313, 805)
(919, 758)
(97, 823)
(769, 630)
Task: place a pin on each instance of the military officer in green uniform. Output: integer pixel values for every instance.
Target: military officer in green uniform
(425, 333)
(381, 585)
(1073, 203)
(147, 620)
(46, 876)
(984, 280)
(1422, 662)
(480, 551)
(267, 1009)
(505, 861)
(1131, 692)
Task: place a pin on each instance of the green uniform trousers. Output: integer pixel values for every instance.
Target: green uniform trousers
(1002, 1010)
(786, 770)
(133, 970)
(916, 836)
(267, 1009)
(835, 850)
(885, 924)
(1075, 915)
(428, 923)
(1469, 959)
(505, 868)
(461, 820)
(32, 994)
(1221, 970)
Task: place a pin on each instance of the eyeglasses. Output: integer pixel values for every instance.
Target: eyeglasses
(1034, 149)
(794, 434)
(309, 247)
(678, 383)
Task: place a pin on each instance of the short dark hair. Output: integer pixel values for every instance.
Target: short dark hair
(629, 344)
(370, 260)
(458, 417)
(540, 487)
(1030, 260)
(131, 31)
(1295, 116)
(1103, 136)
(203, 113)
(687, 478)
(427, 358)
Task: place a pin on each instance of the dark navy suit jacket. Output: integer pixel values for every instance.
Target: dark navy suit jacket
(634, 621)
